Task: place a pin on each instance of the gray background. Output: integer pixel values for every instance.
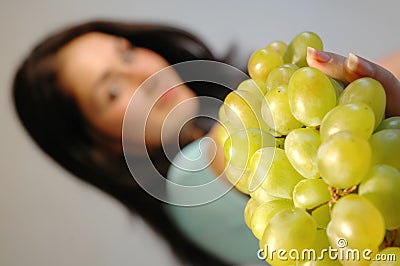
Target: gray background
(47, 217)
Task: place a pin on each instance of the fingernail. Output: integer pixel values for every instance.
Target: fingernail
(359, 66)
(318, 55)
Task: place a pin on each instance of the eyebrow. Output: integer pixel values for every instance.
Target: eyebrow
(107, 74)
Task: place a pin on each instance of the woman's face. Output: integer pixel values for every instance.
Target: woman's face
(103, 71)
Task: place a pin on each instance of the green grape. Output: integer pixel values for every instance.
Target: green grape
(222, 135)
(261, 62)
(251, 206)
(261, 85)
(243, 110)
(296, 51)
(271, 169)
(279, 76)
(276, 113)
(289, 133)
(261, 196)
(259, 167)
(311, 96)
(355, 117)
(369, 91)
(318, 253)
(385, 145)
(344, 159)
(310, 193)
(226, 123)
(389, 123)
(381, 187)
(222, 116)
(322, 216)
(238, 113)
(238, 149)
(239, 177)
(338, 86)
(263, 214)
(292, 66)
(301, 146)
(290, 229)
(252, 86)
(356, 224)
(278, 46)
(241, 145)
(389, 256)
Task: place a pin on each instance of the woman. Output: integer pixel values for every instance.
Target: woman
(71, 94)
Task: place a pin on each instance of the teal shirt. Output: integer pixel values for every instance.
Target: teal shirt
(217, 226)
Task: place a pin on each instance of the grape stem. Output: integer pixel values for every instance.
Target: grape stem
(318, 206)
(336, 194)
(390, 242)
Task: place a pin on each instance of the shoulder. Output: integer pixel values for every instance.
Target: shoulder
(192, 181)
(207, 208)
(192, 163)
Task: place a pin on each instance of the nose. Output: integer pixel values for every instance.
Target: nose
(141, 81)
(146, 61)
(141, 69)
(141, 75)
(135, 74)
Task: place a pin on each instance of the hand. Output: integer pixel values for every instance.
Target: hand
(391, 63)
(353, 67)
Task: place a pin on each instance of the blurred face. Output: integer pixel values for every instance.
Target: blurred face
(102, 72)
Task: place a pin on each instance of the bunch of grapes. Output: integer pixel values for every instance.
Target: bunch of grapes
(318, 158)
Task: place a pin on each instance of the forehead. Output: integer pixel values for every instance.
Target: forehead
(83, 59)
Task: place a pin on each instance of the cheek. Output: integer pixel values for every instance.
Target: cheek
(134, 119)
(165, 125)
(112, 123)
(161, 124)
(152, 60)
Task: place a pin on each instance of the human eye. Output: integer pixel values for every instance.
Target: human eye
(127, 55)
(125, 49)
(113, 91)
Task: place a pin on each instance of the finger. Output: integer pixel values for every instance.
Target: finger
(356, 67)
(329, 63)
(391, 63)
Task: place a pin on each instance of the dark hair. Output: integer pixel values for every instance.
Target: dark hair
(54, 121)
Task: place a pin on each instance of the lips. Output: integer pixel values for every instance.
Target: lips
(167, 96)
(163, 86)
